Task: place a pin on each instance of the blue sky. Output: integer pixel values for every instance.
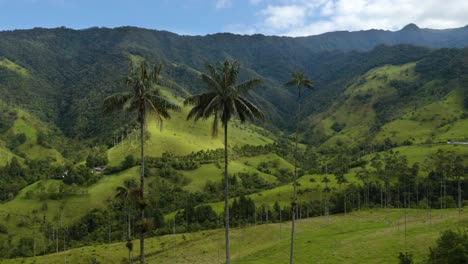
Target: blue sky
(200, 17)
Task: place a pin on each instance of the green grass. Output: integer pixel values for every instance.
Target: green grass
(11, 66)
(182, 137)
(375, 236)
(357, 116)
(210, 172)
(435, 122)
(428, 122)
(307, 191)
(30, 126)
(6, 155)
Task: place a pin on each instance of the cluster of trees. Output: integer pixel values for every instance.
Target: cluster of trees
(81, 175)
(97, 157)
(242, 183)
(16, 175)
(451, 247)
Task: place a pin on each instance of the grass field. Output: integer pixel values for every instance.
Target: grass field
(181, 137)
(375, 236)
(308, 190)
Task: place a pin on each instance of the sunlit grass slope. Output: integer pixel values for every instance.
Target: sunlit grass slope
(30, 125)
(360, 237)
(11, 66)
(180, 136)
(437, 122)
(310, 187)
(355, 111)
(425, 121)
(210, 172)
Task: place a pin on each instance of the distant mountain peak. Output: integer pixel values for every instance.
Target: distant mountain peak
(411, 26)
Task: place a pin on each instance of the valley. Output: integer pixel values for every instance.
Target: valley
(372, 145)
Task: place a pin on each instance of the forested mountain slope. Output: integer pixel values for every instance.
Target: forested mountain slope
(63, 74)
(421, 102)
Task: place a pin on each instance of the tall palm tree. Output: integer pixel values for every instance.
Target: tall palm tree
(224, 101)
(143, 97)
(299, 80)
(123, 194)
(341, 179)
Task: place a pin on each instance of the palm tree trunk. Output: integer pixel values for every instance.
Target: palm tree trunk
(368, 193)
(226, 194)
(459, 197)
(142, 188)
(293, 204)
(345, 200)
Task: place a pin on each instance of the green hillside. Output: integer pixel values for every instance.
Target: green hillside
(181, 137)
(375, 111)
(361, 237)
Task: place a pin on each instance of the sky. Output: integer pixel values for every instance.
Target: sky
(269, 17)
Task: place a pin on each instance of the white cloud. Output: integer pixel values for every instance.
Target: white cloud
(284, 17)
(310, 17)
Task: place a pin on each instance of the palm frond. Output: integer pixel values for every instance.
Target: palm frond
(156, 72)
(246, 86)
(211, 82)
(292, 82)
(116, 102)
(231, 72)
(299, 80)
(254, 111)
(222, 99)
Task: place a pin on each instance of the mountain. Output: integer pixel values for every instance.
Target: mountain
(366, 40)
(63, 74)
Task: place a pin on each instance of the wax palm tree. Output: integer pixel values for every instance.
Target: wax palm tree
(341, 179)
(143, 97)
(364, 175)
(224, 101)
(128, 195)
(299, 80)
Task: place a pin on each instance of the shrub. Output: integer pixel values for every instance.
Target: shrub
(451, 247)
(3, 229)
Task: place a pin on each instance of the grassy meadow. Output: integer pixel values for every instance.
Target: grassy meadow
(375, 236)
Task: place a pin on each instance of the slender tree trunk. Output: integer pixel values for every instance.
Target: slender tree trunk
(417, 193)
(359, 200)
(459, 196)
(368, 194)
(381, 196)
(226, 194)
(142, 189)
(345, 200)
(294, 203)
(34, 247)
(441, 194)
